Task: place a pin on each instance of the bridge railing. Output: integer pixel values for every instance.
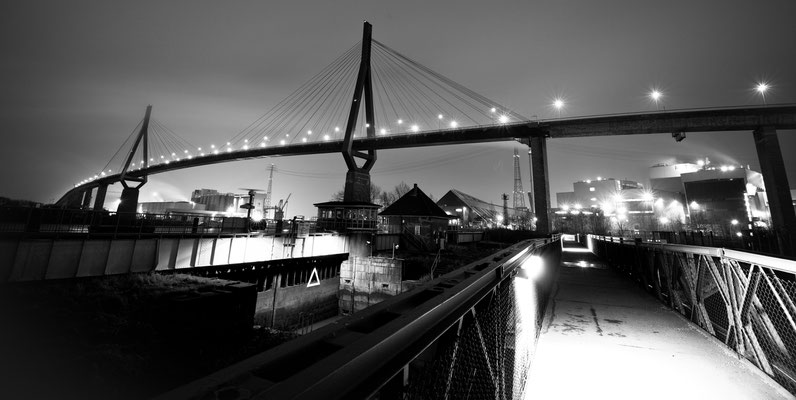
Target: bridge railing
(468, 334)
(756, 240)
(103, 223)
(745, 300)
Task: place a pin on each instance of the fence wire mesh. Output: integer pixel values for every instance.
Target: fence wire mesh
(747, 303)
(486, 355)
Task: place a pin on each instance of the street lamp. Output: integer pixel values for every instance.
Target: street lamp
(558, 104)
(656, 95)
(762, 88)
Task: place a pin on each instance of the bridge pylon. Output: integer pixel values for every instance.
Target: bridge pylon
(129, 199)
(357, 182)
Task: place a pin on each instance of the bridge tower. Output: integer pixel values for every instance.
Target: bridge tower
(357, 180)
(129, 199)
(356, 214)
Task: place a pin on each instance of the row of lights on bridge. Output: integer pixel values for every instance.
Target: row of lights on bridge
(558, 103)
(414, 128)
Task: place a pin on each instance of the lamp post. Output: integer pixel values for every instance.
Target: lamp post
(656, 95)
(762, 88)
(558, 104)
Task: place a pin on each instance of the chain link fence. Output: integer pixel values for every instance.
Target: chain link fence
(743, 299)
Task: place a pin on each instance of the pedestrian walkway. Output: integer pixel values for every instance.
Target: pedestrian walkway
(605, 338)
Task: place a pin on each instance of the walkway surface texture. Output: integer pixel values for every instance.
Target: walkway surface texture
(605, 338)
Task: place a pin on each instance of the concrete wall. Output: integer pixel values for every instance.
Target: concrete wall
(299, 301)
(365, 281)
(34, 259)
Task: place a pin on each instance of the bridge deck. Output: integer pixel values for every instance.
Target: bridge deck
(607, 338)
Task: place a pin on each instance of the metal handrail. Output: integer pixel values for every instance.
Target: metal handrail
(744, 299)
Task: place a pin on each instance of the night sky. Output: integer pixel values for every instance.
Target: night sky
(76, 76)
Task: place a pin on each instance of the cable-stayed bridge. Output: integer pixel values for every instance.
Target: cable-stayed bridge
(406, 104)
(472, 332)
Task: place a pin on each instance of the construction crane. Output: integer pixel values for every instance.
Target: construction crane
(279, 213)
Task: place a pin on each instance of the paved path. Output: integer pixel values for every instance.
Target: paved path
(608, 339)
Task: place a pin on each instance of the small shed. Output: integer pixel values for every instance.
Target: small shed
(415, 213)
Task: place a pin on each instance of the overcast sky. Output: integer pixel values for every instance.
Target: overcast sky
(76, 76)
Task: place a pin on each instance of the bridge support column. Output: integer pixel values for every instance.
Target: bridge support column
(783, 218)
(357, 186)
(541, 186)
(86, 203)
(128, 206)
(99, 198)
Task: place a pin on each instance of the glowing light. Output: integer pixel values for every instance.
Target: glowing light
(173, 154)
(723, 168)
(229, 149)
(415, 128)
(503, 119)
(739, 234)
(565, 207)
(309, 132)
(367, 125)
(212, 146)
(558, 104)
(337, 129)
(533, 266)
(762, 88)
(695, 205)
(731, 168)
(262, 144)
(734, 222)
(215, 151)
(439, 116)
(282, 142)
(245, 147)
(493, 109)
(701, 163)
(454, 124)
(199, 149)
(655, 95)
(400, 121)
(647, 196)
(383, 131)
(664, 220)
(244, 140)
(304, 140)
(325, 137)
(229, 144)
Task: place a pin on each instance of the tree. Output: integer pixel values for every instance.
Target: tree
(375, 194)
(401, 189)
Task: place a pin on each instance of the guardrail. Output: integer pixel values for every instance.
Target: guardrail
(468, 334)
(746, 300)
(35, 220)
